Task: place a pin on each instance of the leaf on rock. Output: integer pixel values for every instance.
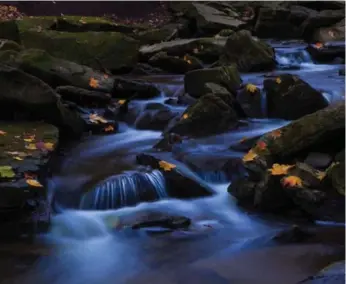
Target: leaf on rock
(93, 83)
(292, 181)
(2, 132)
(95, 118)
(251, 88)
(261, 145)
(166, 166)
(121, 102)
(49, 146)
(318, 45)
(187, 60)
(34, 182)
(250, 156)
(109, 128)
(278, 80)
(28, 140)
(276, 133)
(321, 175)
(6, 172)
(30, 176)
(31, 146)
(278, 169)
(18, 158)
(185, 116)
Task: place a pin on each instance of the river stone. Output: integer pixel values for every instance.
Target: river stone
(251, 101)
(248, 53)
(129, 88)
(9, 45)
(154, 119)
(333, 33)
(226, 76)
(25, 96)
(289, 97)
(330, 52)
(22, 203)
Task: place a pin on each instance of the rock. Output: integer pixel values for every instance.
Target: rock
(9, 45)
(178, 185)
(154, 119)
(145, 69)
(248, 53)
(336, 176)
(99, 50)
(25, 96)
(342, 72)
(210, 21)
(165, 222)
(225, 33)
(83, 97)
(206, 49)
(244, 144)
(334, 273)
(27, 161)
(168, 142)
(216, 113)
(173, 64)
(333, 33)
(139, 89)
(251, 101)
(295, 234)
(227, 76)
(59, 72)
(289, 97)
(318, 160)
(328, 52)
(157, 35)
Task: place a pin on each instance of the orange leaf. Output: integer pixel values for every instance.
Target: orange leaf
(250, 156)
(292, 181)
(2, 132)
(93, 83)
(29, 176)
(321, 175)
(34, 182)
(261, 145)
(166, 166)
(31, 146)
(109, 128)
(276, 133)
(278, 169)
(318, 45)
(95, 118)
(121, 102)
(49, 146)
(185, 116)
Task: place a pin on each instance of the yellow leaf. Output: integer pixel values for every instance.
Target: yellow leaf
(34, 182)
(250, 156)
(166, 166)
(278, 80)
(321, 175)
(251, 88)
(28, 140)
(49, 146)
(121, 102)
(2, 132)
(292, 181)
(93, 83)
(18, 158)
(278, 169)
(185, 116)
(31, 146)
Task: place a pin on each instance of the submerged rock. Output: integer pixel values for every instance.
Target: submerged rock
(226, 76)
(289, 97)
(27, 97)
(178, 185)
(248, 53)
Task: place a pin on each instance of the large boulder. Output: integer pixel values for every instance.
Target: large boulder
(25, 96)
(248, 53)
(289, 97)
(226, 76)
(139, 89)
(333, 33)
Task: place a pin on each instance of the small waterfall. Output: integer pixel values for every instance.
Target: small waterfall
(125, 189)
(292, 58)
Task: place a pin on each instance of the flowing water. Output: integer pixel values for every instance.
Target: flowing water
(100, 174)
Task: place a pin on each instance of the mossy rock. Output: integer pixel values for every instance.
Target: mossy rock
(156, 35)
(9, 30)
(336, 175)
(6, 44)
(8, 56)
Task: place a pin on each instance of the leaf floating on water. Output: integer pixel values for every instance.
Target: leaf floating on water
(2, 132)
(93, 83)
(31, 146)
(250, 156)
(292, 181)
(34, 182)
(278, 169)
(278, 80)
(251, 88)
(6, 172)
(166, 166)
(121, 102)
(109, 128)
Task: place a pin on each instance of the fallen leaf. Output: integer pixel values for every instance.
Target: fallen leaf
(185, 116)
(18, 158)
(49, 146)
(321, 175)
(95, 118)
(109, 128)
(28, 140)
(93, 83)
(30, 176)
(318, 45)
(276, 133)
(166, 166)
(6, 172)
(187, 60)
(2, 132)
(250, 156)
(121, 102)
(251, 88)
(278, 80)
(261, 145)
(31, 146)
(278, 169)
(34, 182)
(292, 181)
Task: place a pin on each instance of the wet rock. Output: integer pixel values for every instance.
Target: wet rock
(225, 33)
(210, 21)
(164, 222)
(83, 97)
(289, 97)
(95, 49)
(227, 76)
(251, 101)
(248, 53)
(25, 148)
(342, 72)
(156, 35)
(336, 176)
(295, 234)
(211, 114)
(9, 45)
(27, 97)
(318, 160)
(206, 49)
(154, 119)
(332, 33)
(244, 144)
(178, 185)
(328, 52)
(139, 89)
(168, 141)
(174, 64)
(334, 273)
(145, 69)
